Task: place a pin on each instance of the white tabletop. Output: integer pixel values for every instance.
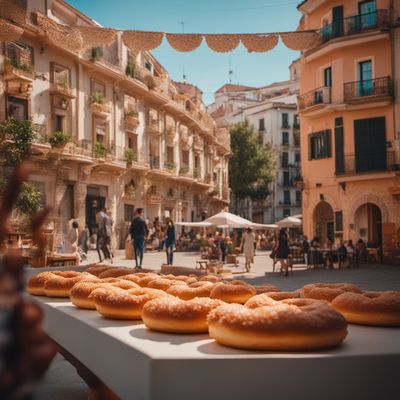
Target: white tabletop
(140, 364)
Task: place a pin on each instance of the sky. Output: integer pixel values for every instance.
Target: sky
(203, 67)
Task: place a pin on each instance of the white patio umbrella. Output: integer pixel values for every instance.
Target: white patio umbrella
(201, 224)
(230, 220)
(289, 222)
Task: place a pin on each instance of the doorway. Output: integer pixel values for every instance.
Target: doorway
(323, 221)
(368, 220)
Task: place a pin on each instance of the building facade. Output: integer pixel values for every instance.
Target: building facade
(348, 109)
(138, 139)
(272, 111)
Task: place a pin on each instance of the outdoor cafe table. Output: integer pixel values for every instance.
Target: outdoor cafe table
(137, 363)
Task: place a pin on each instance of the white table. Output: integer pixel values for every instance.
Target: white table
(140, 364)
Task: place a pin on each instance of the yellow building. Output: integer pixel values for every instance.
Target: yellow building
(349, 134)
(138, 138)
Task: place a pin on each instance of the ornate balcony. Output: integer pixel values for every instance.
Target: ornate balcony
(131, 121)
(320, 96)
(356, 24)
(19, 77)
(61, 89)
(369, 90)
(366, 164)
(153, 128)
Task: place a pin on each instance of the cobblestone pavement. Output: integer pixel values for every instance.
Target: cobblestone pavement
(62, 381)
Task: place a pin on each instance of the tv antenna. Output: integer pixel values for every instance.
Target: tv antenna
(230, 73)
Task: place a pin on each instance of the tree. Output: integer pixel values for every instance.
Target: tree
(16, 138)
(251, 167)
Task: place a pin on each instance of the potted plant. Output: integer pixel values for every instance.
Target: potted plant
(97, 97)
(130, 156)
(99, 150)
(59, 139)
(97, 53)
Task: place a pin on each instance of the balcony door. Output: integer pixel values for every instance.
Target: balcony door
(367, 12)
(370, 144)
(365, 84)
(337, 21)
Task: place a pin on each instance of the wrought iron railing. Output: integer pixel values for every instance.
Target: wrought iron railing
(368, 89)
(321, 95)
(367, 163)
(378, 19)
(154, 162)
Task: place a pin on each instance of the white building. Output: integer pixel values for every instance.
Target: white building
(272, 111)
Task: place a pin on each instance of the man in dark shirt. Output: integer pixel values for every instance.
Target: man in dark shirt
(139, 232)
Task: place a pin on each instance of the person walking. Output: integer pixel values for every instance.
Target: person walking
(247, 246)
(107, 229)
(139, 232)
(170, 241)
(282, 251)
(306, 250)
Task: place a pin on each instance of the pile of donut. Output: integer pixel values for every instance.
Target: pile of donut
(234, 313)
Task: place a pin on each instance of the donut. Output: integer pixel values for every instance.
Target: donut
(115, 272)
(96, 270)
(174, 315)
(80, 292)
(60, 286)
(287, 325)
(141, 278)
(266, 288)
(164, 284)
(183, 278)
(369, 308)
(116, 303)
(233, 292)
(327, 291)
(210, 278)
(187, 292)
(265, 299)
(36, 283)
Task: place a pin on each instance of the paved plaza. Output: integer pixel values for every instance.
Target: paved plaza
(62, 382)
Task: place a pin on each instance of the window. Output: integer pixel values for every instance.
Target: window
(328, 77)
(285, 160)
(133, 142)
(170, 154)
(61, 76)
(285, 120)
(298, 197)
(17, 108)
(20, 54)
(128, 212)
(338, 221)
(297, 157)
(286, 197)
(320, 145)
(59, 123)
(261, 124)
(97, 87)
(285, 138)
(365, 83)
(185, 158)
(368, 16)
(100, 130)
(286, 178)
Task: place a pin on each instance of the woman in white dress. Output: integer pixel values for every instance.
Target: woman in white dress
(71, 240)
(247, 245)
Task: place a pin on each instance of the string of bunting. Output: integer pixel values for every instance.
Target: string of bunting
(80, 38)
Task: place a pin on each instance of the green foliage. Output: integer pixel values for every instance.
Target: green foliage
(59, 139)
(99, 150)
(29, 199)
(130, 70)
(16, 64)
(97, 53)
(15, 141)
(97, 97)
(252, 165)
(130, 155)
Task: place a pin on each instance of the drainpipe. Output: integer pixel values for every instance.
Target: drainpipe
(393, 73)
